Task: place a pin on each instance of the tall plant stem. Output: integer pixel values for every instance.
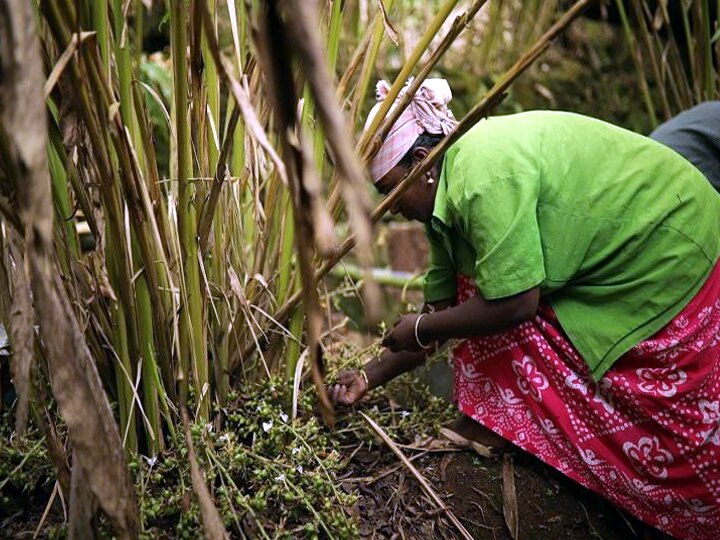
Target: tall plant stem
(637, 61)
(193, 363)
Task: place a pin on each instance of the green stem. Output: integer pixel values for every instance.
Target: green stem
(193, 361)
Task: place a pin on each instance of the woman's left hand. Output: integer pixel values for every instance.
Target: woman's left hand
(402, 336)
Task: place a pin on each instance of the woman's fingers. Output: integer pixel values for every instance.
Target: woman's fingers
(346, 377)
(349, 388)
(339, 395)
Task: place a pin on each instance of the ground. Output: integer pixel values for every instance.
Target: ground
(384, 501)
(549, 505)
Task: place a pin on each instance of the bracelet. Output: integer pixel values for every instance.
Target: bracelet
(364, 376)
(417, 337)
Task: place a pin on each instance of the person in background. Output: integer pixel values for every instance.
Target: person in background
(695, 135)
(577, 264)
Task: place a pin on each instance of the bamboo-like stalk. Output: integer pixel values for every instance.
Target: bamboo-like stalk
(193, 363)
(61, 198)
(691, 47)
(368, 66)
(493, 26)
(672, 68)
(100, 23)
(217, 160)
(124, 380)
(286, 255)
(642, 25)
(637, 61)
(702, 30)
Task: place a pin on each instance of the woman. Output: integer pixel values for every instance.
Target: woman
(578, 261)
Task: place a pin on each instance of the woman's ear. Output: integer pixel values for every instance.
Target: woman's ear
(420, 153)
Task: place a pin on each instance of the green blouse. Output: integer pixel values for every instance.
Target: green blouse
(618, 231)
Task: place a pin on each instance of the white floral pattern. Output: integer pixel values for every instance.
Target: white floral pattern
(647, 456)
(598, 391)
(529, 380)
(710, 410)
(662, 381)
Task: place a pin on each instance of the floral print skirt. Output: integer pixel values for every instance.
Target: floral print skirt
(646, 436)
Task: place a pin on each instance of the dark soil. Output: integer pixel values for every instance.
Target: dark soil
(550, 506)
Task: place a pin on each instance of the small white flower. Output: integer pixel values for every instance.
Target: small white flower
(296, 451)
(209, 426)
(280, 478)
(300, 469)
(267, 425)
(405, 414)
(284, 417)
(224, 438)
(151, 460)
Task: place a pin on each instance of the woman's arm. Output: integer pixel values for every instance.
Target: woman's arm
(479, 317)
(475, 317)
(351, 385)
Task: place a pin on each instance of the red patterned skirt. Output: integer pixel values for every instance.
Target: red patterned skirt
(646, 436)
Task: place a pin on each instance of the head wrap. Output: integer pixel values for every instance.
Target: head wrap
(428, 111)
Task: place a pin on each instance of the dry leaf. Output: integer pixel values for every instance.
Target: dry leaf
(391, 32)
(510, 506)
(212, 523)
(21, 333)
(82, 506)
(420, 478)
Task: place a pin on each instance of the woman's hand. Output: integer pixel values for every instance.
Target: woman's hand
(402, 336)
(351, 386)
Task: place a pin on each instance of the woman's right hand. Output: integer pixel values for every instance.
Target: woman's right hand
(349, 389)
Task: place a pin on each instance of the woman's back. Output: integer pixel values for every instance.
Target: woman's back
(605, 217)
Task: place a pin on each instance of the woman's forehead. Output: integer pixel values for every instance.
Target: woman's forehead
(390, 180)
(386, 183)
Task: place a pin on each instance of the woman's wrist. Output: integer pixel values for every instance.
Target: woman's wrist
(364, 376)
(425, 333)
(370, 374)
(420, 342)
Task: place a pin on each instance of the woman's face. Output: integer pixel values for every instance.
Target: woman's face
(418, 201)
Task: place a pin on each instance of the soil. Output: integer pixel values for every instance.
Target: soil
(550, 506)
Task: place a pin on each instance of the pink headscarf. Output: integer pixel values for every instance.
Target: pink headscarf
(428, 111)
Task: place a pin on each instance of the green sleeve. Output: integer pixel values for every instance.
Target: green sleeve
(441, 276)
(499, 219)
